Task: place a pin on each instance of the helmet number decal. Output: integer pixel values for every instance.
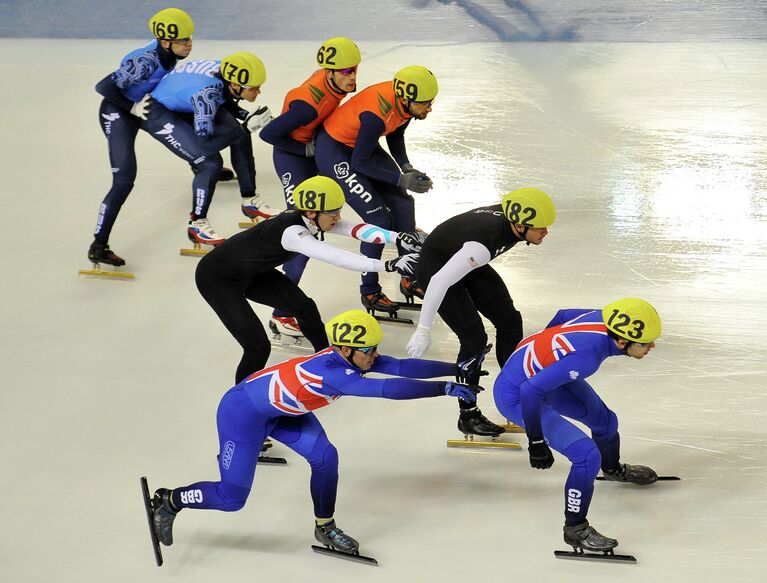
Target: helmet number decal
(514, 211)
(326, 55)
(403, 90)
(342, 331)
(307, 199)
(168, 32)
(622, 320)
(233, 72)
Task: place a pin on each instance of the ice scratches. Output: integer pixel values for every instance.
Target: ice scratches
(521, 23)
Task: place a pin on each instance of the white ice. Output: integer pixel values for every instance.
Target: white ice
(655, 156)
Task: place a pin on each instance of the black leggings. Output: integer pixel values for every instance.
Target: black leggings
(481, 292)
(229, 299)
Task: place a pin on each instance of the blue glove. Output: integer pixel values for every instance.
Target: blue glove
(466, 393)
(471, 369)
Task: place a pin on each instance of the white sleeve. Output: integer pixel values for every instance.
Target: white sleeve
(298, 239)
(364, 232)
(468, 258)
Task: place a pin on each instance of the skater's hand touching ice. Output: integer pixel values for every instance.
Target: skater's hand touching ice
(471, 368)
(419, 342)
(464, 392)
(540, 455)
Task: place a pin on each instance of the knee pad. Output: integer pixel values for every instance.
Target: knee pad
(609, 425)
(585, 456)
(232, 497)
(326, 458)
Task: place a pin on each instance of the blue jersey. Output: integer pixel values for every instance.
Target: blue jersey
(304, 384)
(194, 87)
(140, 71)
(572, 346)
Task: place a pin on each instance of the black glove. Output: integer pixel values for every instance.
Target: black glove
(471, 368)
(410, 241)
(404, 264)
(540, 455)
(408, 167)
(415, 181)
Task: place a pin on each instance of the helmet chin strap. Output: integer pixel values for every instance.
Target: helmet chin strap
(336, 88)
(314, 227)
(523, 234)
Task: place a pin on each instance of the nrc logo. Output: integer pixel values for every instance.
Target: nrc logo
(226, 458)
(166, 129)
(191, 496)
(574, 500)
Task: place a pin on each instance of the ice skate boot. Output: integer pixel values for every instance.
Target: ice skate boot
(255, 209)
(379, 302)
(286, 333)
(99, 253)
(163, 516)
(585, 537)
(336, 543)
(201, 233)
(410, 288)
(640, 475)
(473, 422)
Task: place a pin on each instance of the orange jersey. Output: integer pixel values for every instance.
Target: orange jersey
(379, 99)
(317, 92)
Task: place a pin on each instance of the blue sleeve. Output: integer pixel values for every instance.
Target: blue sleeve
(396, 143)
(338, 382)
(532, 391)
(414, 368)
(277, 131)
(371, 130)
(111, 92)
(563, 316)
(205, 103)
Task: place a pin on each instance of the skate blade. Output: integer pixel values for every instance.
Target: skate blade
(275, 461)
(293, 346)
(660, 479)
(609, 556)
(341, 555)
(390, 317)
(148, 508)
(409, 306)
(510, 427)
(474, 444)
(98, 272)
(195, 251)
(248, 224)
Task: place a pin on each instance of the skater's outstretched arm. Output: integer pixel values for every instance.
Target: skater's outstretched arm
(339, 382)
(414, 368)
(471, 256)
(299, 240)
(364, 232)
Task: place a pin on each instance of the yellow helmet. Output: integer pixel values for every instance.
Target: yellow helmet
(318, 193)
(529, 207)
(354, 328)
(170, 24)
(632, 319)
(416, 83)
(338, 52)
(244, 69)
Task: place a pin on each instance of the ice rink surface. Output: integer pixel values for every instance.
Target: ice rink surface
(655, 154)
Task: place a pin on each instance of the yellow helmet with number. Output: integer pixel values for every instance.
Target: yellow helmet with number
(338, 52)
(244, 69)
(171, 24)
(318, 193)
(416, 83)
(529, 207)
(354, 328)
(632, 319)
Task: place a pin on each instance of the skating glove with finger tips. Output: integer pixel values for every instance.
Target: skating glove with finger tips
(415, 181)
(541, 457)
(464, 392)
(419, 342)
(141, 108)
(407, 167)
(410, 241)
(471, 368)
(258, 119)
(404, 264)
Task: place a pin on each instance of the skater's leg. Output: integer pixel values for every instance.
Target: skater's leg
(228, 301)
(244, 165)
(491, 297)
(306, 437)
(276, 290)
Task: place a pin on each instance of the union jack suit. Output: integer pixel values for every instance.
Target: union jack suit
(544, 381)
